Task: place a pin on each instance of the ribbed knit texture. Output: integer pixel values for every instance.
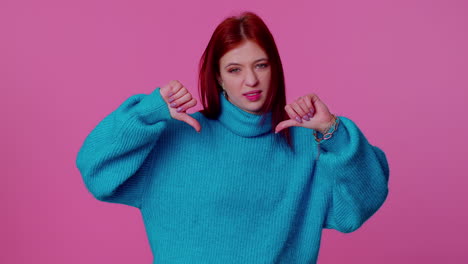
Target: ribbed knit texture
(231, 193)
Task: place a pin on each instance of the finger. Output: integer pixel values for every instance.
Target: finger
(285, 124)
(318, 104)
(182, 100)
(170, 89)
(187, 105)
(191, 121)
(181, 92)
(165, 90)
(304, 108)
(301, 113)
(176, 86)
(292, 114)
(313, 97)
(310, 107)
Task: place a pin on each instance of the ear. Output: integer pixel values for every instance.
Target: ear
(220, 81)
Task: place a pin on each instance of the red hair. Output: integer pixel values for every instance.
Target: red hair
(229, 34)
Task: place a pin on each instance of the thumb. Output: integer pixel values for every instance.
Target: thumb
(285, 124)
(191, 121)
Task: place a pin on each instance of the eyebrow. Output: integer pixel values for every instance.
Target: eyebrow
(233, 63)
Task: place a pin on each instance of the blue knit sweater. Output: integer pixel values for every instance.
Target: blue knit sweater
(232, 193)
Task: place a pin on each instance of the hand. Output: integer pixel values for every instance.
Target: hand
(307, 111)
(178, 100)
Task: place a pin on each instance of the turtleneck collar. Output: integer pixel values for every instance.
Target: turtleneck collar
(242, 123)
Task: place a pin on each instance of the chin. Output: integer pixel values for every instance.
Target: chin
(254, 110)
(252, 107)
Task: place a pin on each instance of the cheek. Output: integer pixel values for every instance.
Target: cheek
(233, 83)
(266, 78)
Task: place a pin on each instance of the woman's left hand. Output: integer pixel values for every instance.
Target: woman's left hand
(307, 111)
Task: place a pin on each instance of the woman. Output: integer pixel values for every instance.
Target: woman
(251, 186)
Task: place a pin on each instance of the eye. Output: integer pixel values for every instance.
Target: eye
(233, 70)
(262, 65)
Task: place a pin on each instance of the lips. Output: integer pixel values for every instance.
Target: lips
(253, 95)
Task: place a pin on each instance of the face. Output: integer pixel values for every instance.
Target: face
(245, 72)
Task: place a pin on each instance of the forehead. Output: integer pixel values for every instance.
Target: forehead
(247, 52)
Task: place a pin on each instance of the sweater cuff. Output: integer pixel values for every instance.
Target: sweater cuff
(152, 108)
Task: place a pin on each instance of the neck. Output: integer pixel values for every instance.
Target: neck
(241, 122)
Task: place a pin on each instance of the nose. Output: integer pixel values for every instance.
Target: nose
(251, 78)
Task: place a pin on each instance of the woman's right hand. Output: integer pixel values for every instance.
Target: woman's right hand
(178, 100)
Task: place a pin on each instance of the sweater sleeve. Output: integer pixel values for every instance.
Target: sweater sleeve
(359, 174)
(114, 158)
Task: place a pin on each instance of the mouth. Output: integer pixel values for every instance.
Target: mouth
(253, 95)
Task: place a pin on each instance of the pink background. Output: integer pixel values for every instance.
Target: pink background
(398, 68)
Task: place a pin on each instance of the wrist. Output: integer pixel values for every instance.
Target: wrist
(328, 132)
(326, 126)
